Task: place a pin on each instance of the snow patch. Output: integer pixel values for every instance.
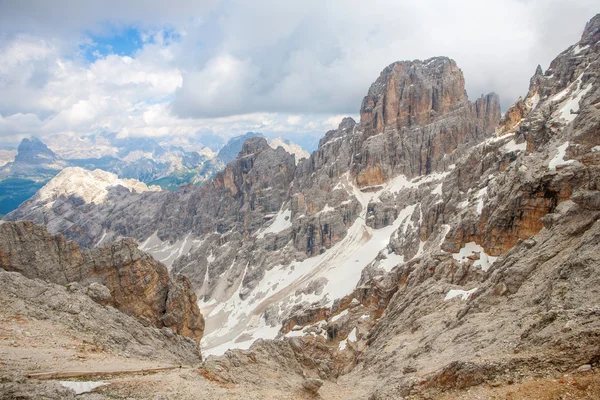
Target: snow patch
(485, 261)
(340, 315)
(533, 101)
(576, 50)
(326, 209)
(464, 294)
(480, 199)
(513, 146)
(283, 221)
(573, 104)
(167, 253)
(352, 335)
(390, 261)
(82, 387)
(559, 158)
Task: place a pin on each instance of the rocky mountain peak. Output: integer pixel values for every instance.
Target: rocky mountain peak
(591, 33)
(347, 123)
(253, 145)
(516, 113)
(422, 109)
(33, 151)
(535, 80)
(290, 147)
(415, 92)
(230, 151)
(89, 186)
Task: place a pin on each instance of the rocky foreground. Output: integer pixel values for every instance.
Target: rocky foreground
(433, 250)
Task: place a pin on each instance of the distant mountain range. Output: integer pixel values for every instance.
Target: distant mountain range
(166, 164)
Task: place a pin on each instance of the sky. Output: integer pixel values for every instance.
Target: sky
(291, 68)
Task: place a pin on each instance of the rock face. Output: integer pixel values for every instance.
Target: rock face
(70, 308)
(272, 233)
(422, 111)
(513, 117)
(119, 275)
(409, 250)
(411, 93)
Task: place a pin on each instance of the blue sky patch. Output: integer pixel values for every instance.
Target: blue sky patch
(123, 43)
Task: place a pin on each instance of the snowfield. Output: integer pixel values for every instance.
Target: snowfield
(237, 323)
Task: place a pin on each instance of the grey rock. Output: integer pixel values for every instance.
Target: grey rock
(99, 293)
(312, 385)
(584, 368)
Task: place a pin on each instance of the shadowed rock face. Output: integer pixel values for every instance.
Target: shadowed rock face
(33, 151)
(138, 285)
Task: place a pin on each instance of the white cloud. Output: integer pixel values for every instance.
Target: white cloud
(294, 119)
(294, 67)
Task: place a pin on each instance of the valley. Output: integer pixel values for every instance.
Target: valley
(436, 248)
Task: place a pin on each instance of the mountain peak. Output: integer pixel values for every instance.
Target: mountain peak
(413, 92)
(230, 151)
(34, 151)
(89, 186)
(591, 33)
(254, 145)
(290, 147)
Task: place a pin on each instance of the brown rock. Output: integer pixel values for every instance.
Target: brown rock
(119, 275)
(413, 93)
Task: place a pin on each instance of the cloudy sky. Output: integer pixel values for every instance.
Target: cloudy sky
(291, 68)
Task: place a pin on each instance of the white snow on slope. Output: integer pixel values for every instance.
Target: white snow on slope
(237, 323)
(81, 387)
(340, 315)
(391, 260)
(352, 335)
(513, 146)
(576, 50)
(282, 221)
(464, 294)
(90, 186)
(485, 261)
(559, 158)
(480, 199)
(572, 103)
(401, 182)
(290, 147)
(166, 252)
(351, 338)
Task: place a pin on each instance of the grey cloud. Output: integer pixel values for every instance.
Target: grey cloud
(66, 17)
(322, 58)
(309, 57)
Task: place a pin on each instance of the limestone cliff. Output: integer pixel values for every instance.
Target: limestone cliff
(118, 275)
